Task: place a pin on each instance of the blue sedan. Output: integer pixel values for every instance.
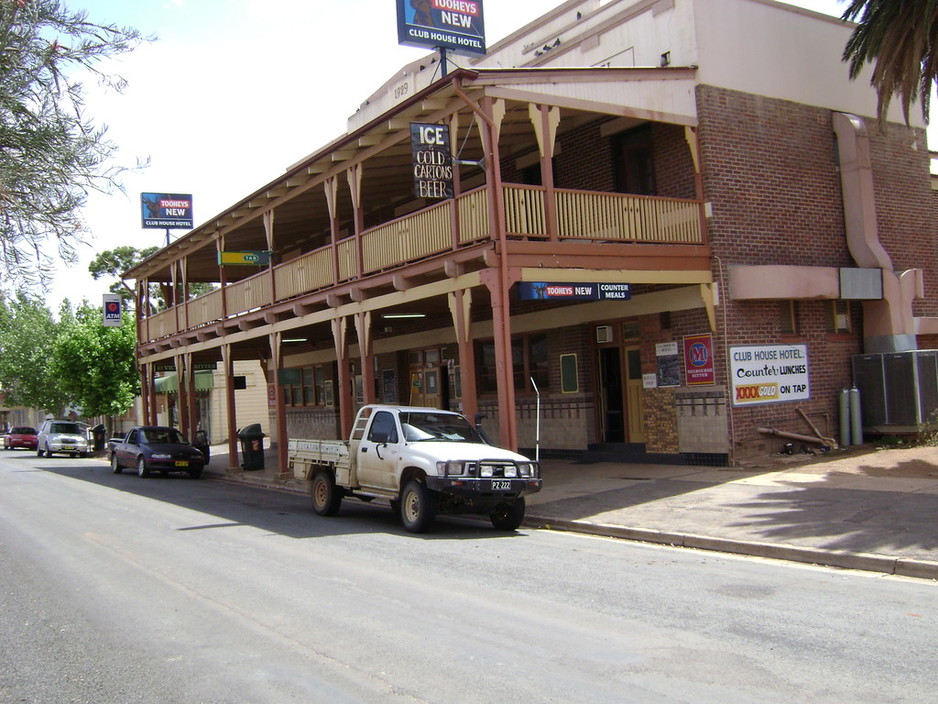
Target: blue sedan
(156, 448)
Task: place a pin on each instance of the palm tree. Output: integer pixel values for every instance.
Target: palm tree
(900, 38)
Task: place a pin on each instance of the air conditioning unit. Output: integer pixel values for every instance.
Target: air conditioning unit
(603, 334)
(898, 390)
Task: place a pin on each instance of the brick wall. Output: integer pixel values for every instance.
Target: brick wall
(585, 161)
(660, 406)
(771, 173)
(567, 420)
(904, 204)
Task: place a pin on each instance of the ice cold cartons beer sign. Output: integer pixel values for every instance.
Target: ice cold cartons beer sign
(454, 25)
(769, 374)
(432, 159)
(166, 210)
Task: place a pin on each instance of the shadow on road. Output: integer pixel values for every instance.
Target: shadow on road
(229, 504)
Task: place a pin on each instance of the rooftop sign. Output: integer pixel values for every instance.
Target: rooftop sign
(454, 25)
(166, 210)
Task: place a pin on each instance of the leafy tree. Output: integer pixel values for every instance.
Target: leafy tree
(51, 153)
(899, 38)
(27, 330)
(114, 262)
(95, 364)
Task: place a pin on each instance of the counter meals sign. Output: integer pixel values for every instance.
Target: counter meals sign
(544, 291)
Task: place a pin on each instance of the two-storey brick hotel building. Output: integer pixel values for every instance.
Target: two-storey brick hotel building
(674, 222)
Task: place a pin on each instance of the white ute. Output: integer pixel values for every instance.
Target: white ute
(424, 461)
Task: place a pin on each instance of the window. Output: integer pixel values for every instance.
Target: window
(569, 379)
(788, 318)
(531, 175)
(309, 389)
(537, 361)
(307, 386)
(528, 359)
(840, 316)
(633, 163)
(383, 429)
(487, 371)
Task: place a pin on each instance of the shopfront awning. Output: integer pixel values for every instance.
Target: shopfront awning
(169, 384)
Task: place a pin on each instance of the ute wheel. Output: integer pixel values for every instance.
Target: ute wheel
(418, 507)
(195, 473)
(142, 470)
(508, 515)
(326, 496)
(115, 465)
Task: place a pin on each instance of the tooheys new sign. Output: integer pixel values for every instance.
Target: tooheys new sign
(454, 25)
(166, 210)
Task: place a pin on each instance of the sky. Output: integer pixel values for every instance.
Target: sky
(232, 92)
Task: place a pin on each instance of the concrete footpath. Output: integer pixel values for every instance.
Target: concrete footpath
(863, 508)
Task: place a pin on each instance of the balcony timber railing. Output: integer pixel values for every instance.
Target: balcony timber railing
(581, 215)
(604, 216)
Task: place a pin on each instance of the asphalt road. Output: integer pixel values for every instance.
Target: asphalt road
(116, 589)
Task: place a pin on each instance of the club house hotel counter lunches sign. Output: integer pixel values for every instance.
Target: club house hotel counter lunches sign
(769, 374)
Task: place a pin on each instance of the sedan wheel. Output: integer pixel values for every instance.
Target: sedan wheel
(142, 469)
(115, 465)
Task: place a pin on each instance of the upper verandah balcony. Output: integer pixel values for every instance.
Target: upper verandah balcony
(347, 214)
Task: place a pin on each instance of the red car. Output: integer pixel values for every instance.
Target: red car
(21, 436)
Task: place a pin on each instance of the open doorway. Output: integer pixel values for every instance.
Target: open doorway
(619, 397)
